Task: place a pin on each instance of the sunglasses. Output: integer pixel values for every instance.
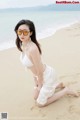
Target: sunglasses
(25, 32)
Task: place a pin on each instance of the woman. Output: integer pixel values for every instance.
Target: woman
(44, 75)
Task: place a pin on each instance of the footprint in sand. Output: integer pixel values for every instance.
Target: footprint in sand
(60, 117)
(70, 83)
(74, 109)
(70, 75)
(38, 111)
(32, 108)
(78, 74)
(66, 76)
(42, 113)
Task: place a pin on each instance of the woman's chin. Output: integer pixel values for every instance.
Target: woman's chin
(22, 40)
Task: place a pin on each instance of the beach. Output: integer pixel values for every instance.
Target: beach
(61, 51)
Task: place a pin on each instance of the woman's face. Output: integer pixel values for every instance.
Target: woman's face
(23, 33)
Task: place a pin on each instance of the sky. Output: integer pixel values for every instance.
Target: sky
(23, 3)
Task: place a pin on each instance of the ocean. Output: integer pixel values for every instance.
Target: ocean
(46, 23)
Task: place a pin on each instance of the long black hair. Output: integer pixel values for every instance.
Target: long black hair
(31, 26)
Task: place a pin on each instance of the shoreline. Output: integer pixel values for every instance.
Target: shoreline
(51, 33)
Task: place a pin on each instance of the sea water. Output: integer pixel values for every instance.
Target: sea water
(46, 23)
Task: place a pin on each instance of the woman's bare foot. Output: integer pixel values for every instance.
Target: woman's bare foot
(61, 85)
(71, 92)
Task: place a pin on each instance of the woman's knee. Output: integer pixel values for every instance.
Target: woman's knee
(40, 104)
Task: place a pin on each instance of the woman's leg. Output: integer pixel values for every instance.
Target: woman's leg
(36, 91)
(58, 95)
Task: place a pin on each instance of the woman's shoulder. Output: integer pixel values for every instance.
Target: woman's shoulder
(33, 48)
(34, 52)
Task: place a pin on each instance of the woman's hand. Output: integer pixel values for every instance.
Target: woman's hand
(37, 84)
(36, 81)
(39, 87)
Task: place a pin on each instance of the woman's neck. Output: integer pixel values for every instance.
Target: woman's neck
(26, 44)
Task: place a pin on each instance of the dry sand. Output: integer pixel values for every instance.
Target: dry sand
(61, 51)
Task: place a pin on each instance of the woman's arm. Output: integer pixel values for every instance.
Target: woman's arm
(36, 82)
(35, 56)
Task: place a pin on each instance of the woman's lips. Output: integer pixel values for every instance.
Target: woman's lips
(22, 38)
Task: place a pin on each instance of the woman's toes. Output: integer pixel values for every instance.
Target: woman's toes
(73, 93)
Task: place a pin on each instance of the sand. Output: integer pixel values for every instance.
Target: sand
(61, 51)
